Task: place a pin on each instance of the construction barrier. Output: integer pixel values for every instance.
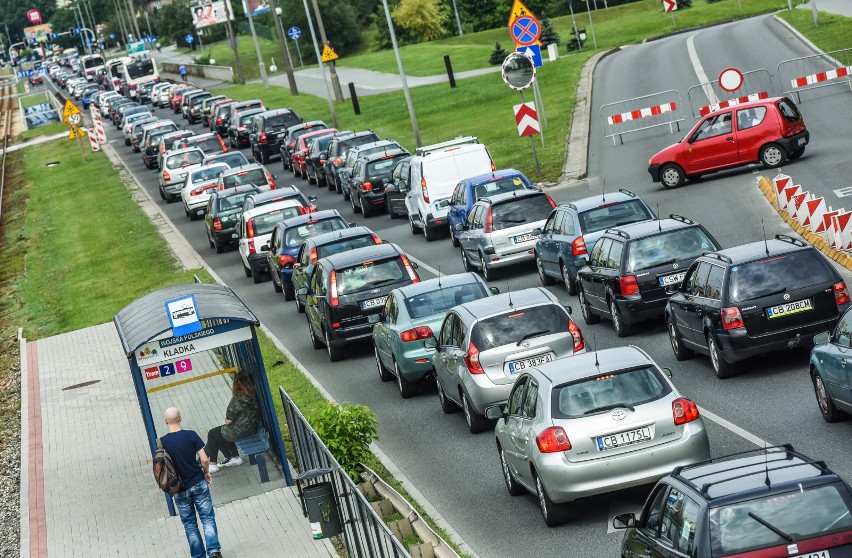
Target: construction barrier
(642, 113)
(815, 71)
(705, 110)
(704, 96)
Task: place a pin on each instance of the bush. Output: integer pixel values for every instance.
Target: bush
(497, 55)
(347, 431)
(548, 35)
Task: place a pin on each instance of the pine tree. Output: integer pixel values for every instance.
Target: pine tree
(497, 55)
(548, 35)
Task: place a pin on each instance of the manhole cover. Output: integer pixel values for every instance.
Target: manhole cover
(80, 385)
(51, 164)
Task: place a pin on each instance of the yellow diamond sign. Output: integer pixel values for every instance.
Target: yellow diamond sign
(518, 10)
(328, 54)
(68, 111)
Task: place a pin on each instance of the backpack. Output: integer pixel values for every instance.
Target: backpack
(164, 471)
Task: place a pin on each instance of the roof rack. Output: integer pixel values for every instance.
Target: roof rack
(720, 257)
(681, 218)
(627, 192)
(618, 232)
(790, 239)
(461, 140)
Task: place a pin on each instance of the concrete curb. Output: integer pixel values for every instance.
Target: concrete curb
(805, 40)
(24, 475)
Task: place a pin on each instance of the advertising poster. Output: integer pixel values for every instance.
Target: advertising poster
(210, 12)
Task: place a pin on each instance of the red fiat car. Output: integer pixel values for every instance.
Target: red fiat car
(769, 131)
(297, 159)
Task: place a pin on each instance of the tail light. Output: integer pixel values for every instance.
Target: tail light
(286, 261)
(376, 238)
(217, 224)
(218, 121)
(553, 440)
(250, 229)
(291, 145)
(166, 175)
(841, 293)
(222, 143)
(367, 187)
(578, 247)
(337, 161)
(408, 267)
(270, 180)
(425, 190)
(629, 285)
(313, 256)
(417, 333)
(489, 222)
(471, 359)
(731, 318)
(575, 332)
(334, 300)
(262, 137)
(252, 249)
(493, 168)
(684, 411)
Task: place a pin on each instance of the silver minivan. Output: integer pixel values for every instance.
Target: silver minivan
(499, 230)
(484, 345)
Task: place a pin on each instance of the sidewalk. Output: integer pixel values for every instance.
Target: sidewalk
(839, 7)
(86, 484)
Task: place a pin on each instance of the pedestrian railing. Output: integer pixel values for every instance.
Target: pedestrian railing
(708, 97)
(815, 71)
(642, 113)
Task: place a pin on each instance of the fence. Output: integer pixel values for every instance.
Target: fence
(39, 113)
(365, 534)
(642, 113)
(818, 70)
(220, 73)
(704, 97)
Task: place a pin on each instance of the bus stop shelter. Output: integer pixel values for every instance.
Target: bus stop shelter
(185, 344)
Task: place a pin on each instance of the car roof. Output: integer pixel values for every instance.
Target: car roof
(594, 363)
(751, 104)
(323, 132)
(520, 193)
(592, 202)
(205, 135)
(183, 150)
(651, 228)
(251, 112)
(243, 104)
(383, 154)
(315, 216)
(329, 237)
(276, 112)
(452, 151)
(500, 303)
(241, 189)
(283, 191)
(270, 207)
(302, 125)
(380, 143)
(351, 257)
(494, 175)
(429, 285)
(244, 168)
(762, 249)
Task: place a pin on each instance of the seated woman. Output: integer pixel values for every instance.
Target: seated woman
(241, 419)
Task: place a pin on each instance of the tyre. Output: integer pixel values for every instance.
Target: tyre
(554, 514)
(210, 241)
(315, 342)
(476, 423)
(588, 316)
(772, 155)
(247, 270)
(162, 192)
(355, 208)
(826, 405)
(723, 369)
(796, 154)
(384, 374)
(406, 388)
(188, 215)
(487, 274)
(680, 351)
(430, 234)
(414, 228)
(311, 179)
(346, 195)
(447, 406)
(512, 485)
(264, 158)
(220, 249)
(453, 240)
(570, 284)
(275, 286)
(671, 176)
(257, 277)
(334, 354)
(300, 308)
(542, 276)
(390, 211)
(367, 209)
(621, 329)
(289, 292)
(466, 262)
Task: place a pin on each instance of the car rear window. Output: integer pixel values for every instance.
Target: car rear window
(442, 299)
(265, 222)
(795, 270)
(498, 185)
(207, 145)
(344, 245)
(244, 119)
(679, 244)
(281, 121)
(382, 167)
(185, 159)
(359, 140)
(511, 326)
(321, 143)
(232, 159)
(296, 236)
(207, 173)
(198, 99)
(369, 275)
(231, 203)
(801, 514)
(789, 111)
(253, 176)
(610, 215)
(518, 211)
(600, 393)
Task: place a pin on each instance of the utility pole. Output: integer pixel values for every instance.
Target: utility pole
(131, 12)
(815, 12)
(282, 38)
(321, 67)
(458, 21)
(229, 27)
(121, 20)
(257, 51)
(405, 90)
(335, 82)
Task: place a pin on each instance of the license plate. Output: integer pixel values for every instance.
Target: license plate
(673, 279)
(803, 141)
(521, 238)
(625, 438)
(373, 303)
(520, 365)
(789, 308)
(817, 554)
(373, 318)
(438, 206)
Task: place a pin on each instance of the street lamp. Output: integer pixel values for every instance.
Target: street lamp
(405, 90)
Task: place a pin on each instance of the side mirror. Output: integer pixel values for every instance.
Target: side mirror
(403, 186)
(323, 157)
(415, 265)
(536, 231)
(623, 521)
(353, 225)
(302, 292)
(494, 290)
(312, 199)
(580, 262)
(430, 343)
(458, 227)
(495, 412)
(443, 203)
(568, 309)
(668, 372)
(822, 338)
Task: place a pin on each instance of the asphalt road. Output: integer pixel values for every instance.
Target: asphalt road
(771, 400)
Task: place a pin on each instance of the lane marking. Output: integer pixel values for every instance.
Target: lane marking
(759, 442)
(699, 70)
(843, 192)
(424, 265)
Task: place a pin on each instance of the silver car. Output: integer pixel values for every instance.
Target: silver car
(484, 345)
(595, 423)
(499, 230)
(176, 166)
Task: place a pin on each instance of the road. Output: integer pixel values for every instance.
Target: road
(772, 399)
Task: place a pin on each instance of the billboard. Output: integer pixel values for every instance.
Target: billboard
(210, 12)
(255, 7)
(38, 32)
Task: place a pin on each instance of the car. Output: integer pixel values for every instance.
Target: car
(592, 424)
(316, 157)
(130, 121)
(320, 246)
(133, 112)
(233, 159)
(254, 229)
(572, 229)
(248, 174)
(471, 190)
(158, 92)
(287, 239)
(500, 231)
(303, 145)
(122, 108)
(828, 370)
(291, 136)
(238, 127)
(241, 106)
(206, 106)
(280, 194)
(267, 130)
(483, 346)
(336, 154)
(135, 129)
(176, 97)
(355, 152)
(162, 143)
(411, 315)
(768, 131)
(148, 146)
(197, 187)
(193, 106)
(772, 501)
(176, 165)
(753, 299)
(143, 91)
(86, 95)
(220, 116)
(368, 179)
(210, 143)
(633, 270)
(36, 79)
(347, 292)
(220, 217)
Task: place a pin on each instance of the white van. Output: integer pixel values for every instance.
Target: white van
(433, 173)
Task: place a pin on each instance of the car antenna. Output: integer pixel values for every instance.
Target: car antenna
(603, 190)
(659, 224)
(766, 465)
(595, 343)
(765, 242)
(439, 278)
(509, 292)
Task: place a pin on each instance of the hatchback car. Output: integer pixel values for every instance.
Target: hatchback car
(397, 189)
(210, 143)
(197, 187)
(241, 106)
(411, 315)
(772, 501)
(136, 129)
(248, 174)
(194, 107)
(206, 106)
(633, 270)
(367, 182)
(483, 346)
(254, 229)
(572, 229)
(238, 127)
(303, 146)
(162, 143)
(768, 131)
(220, 116)
(754, 299)
(829, 373)
(291, 137)
(233, 159)
(592, 424)
(280, 194)
(336, 154)
(146, 145)
(344, 173)
(267, 130)
(220, 217)
(347, 292)
(176, 166)
(316, 157)
(499, 230)
(470, 190)
(131, 121)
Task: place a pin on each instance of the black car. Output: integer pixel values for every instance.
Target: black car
(193, 109)
(223, 210)
(291, 138)
(266, 132)
(151, 147)
(753, 299)
(347, 292)
(238, 132)
(356, 152)
(316, 157)
(220, 118)
(206, 106)
(336, 154)
(633, 269)
(277, 195)
(143, 91)
(369, 177)
(118, 114)
(767, 502)
(397, 189)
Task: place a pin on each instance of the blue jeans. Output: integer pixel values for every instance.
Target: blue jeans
(194, 499)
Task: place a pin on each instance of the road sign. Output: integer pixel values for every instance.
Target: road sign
(112, 36)
(76, 132)
(670, 5)
(518, 71)
(518, 9)
(533, 52)
(527, 119)
(69, 111)
(135, 47)
(294, 33)
(328, 54)
(33, 16)
(75, 118)
(189, 39)
(525, 30)
(730, 79)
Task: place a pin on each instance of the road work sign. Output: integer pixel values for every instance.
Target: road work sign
(328, 54)
(68, 111)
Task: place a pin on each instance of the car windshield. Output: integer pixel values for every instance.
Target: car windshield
(140, 68)
(795, 270)
(185, 159)
(498, 185)
(368, 275)
(510, 326)
(320, 144)
(682, 244)
(231, 203)
(344, 245)
(519, 211)
(279, 121)
(253, 176)
(296, 236)
(609, 215)
(442, 299)
(596, 394)
(801, 514)
(265, 222)
(207, 174)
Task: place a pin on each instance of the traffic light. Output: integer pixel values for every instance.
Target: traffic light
(71, 31)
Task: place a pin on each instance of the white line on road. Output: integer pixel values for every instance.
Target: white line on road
(760, 442)
(843, 192)
(424, 265)
(699, 70)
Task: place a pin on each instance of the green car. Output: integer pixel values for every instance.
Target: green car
(413, 314)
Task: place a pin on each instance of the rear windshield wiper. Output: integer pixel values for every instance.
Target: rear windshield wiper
(382, 282)
(771, 527)
(770, 293)
(531, 335)
(608, 407)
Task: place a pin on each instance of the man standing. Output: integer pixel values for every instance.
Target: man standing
(182, 70)
(183, 446)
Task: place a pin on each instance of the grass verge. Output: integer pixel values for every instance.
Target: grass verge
(45, 130)
(833, 33)
(222, 53)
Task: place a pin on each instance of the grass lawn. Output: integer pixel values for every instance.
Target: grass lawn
(834, 32)
(46, 129)
(30, 99)
(222, 53)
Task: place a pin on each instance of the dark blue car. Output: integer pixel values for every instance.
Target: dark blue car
(469, 190)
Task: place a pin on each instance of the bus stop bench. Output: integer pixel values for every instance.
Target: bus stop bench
(254, 447)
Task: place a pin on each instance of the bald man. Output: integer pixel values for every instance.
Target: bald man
(183, 447)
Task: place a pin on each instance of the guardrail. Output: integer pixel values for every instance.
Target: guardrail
(815, 71)
(704, 96)
(642, 113)
(220, 73)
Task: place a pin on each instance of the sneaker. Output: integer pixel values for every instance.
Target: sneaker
(215, 554)
(233, 462)
(214, 468)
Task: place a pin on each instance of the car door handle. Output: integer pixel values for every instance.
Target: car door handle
(729, 138)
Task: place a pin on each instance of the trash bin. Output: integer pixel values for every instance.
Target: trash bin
(321, 506)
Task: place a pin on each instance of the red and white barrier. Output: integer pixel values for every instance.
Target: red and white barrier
(786, 195)
(844, 231)
(796, 207)
(704, 111)
(780, 182)
(813, 211)
(641, 113)
(93, 140)
(821, 76)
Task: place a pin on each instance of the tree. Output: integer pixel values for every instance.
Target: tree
(497, 55)
(548, 35)
(14, 14)
(173, 20)
(425, 20)
(341, 23)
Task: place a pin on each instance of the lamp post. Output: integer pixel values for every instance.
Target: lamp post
(335, 82)
(458, 20)
(257, 51)
(592, 25)
(405, 89)
(282, 39)
(321, 67)
(229, 27)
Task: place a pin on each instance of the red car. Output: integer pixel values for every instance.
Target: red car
(297, 159)
(36, 79)
(769, 131)
(177, 98)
